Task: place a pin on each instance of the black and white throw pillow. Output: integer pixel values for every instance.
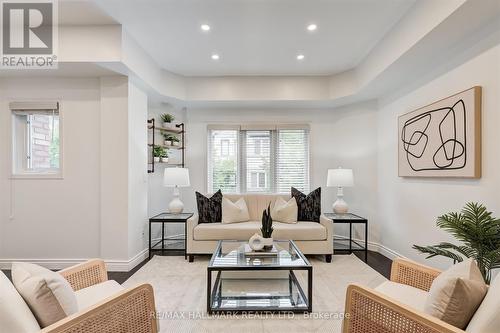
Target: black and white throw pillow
(209, 209)
(309, 205)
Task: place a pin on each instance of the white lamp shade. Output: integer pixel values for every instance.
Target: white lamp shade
(340, 178)
(176, 177)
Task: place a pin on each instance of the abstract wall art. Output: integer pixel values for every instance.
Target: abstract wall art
(442, 139)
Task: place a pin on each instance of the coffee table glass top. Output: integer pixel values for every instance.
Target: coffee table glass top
(237, 255)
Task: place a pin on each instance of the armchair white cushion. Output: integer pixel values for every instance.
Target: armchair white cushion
(92, 295)
(487, 317)
(15, 316)
(404, 294)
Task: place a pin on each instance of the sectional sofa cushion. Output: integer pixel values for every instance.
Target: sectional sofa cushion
(233, 212)
(487, 317)
(285, 211)
(456, 293)
(300, 231)
(309, 205)
(15, 315)
(48, 295)
(209, 209)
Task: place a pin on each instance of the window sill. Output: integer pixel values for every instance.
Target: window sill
(37, 176)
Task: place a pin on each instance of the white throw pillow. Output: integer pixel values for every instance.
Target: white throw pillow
(487, 317)
(49, 296)
(456, 293)
(285, 211)
(233, 212)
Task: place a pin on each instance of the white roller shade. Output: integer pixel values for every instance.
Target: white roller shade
(33, 105)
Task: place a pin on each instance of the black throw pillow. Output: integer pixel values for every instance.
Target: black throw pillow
(309, 205)
(209, 209)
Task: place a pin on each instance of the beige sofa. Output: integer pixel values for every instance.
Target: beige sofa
(310, 237)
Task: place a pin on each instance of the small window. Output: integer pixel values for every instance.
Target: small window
(36, 142)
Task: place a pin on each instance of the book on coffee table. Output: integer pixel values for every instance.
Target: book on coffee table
(249, 252)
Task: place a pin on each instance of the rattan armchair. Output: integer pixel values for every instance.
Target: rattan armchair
(131, 310)
(368, 311)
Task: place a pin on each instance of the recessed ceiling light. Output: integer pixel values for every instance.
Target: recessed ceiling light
(312, 27)
(205, 27)
(300, 57)
(215, 57)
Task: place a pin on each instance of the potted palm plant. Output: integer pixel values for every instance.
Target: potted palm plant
(167, 120)
(479, 236)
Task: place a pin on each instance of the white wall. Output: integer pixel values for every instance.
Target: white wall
(53, 219)
(339, 137)
(137, 171)
(408, 207)
(99, 207)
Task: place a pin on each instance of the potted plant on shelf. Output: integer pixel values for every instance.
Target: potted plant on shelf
(158, 152)
(175, 141)
(167, 120)
(164, 156)
(168, 139)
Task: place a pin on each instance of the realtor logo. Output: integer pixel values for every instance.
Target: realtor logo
(29, 34)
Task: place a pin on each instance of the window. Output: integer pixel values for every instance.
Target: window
(249, 159)
(36, 139)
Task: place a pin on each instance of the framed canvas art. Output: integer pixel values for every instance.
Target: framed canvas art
(442, 139)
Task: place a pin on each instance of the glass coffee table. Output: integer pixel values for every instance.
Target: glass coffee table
(246, 281)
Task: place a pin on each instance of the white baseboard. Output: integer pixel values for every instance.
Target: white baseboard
(376, 247)
(111, 265)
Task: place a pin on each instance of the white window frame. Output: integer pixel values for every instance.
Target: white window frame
(241, 173)
(23, 172)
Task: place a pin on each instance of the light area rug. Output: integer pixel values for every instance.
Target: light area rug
(180, 296)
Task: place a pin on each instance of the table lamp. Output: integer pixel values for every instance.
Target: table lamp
(176, 177)
(340, 178)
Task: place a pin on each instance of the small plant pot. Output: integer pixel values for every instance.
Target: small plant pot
(176, 143)
(268, 243)
(164, 160)
(168, 143)
(156, 159)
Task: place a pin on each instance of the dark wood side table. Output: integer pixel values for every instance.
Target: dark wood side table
(168, 218)
(350, 218)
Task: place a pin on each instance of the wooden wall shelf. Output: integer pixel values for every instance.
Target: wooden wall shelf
(179, 131)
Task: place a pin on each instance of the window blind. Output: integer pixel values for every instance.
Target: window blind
(292, 160)
(258, 159)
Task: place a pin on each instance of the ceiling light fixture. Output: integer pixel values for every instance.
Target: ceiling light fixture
(215, 57)
(312, 27)
(300, 57)
(205, 27)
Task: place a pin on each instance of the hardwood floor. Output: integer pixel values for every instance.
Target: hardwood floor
(376, 261)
